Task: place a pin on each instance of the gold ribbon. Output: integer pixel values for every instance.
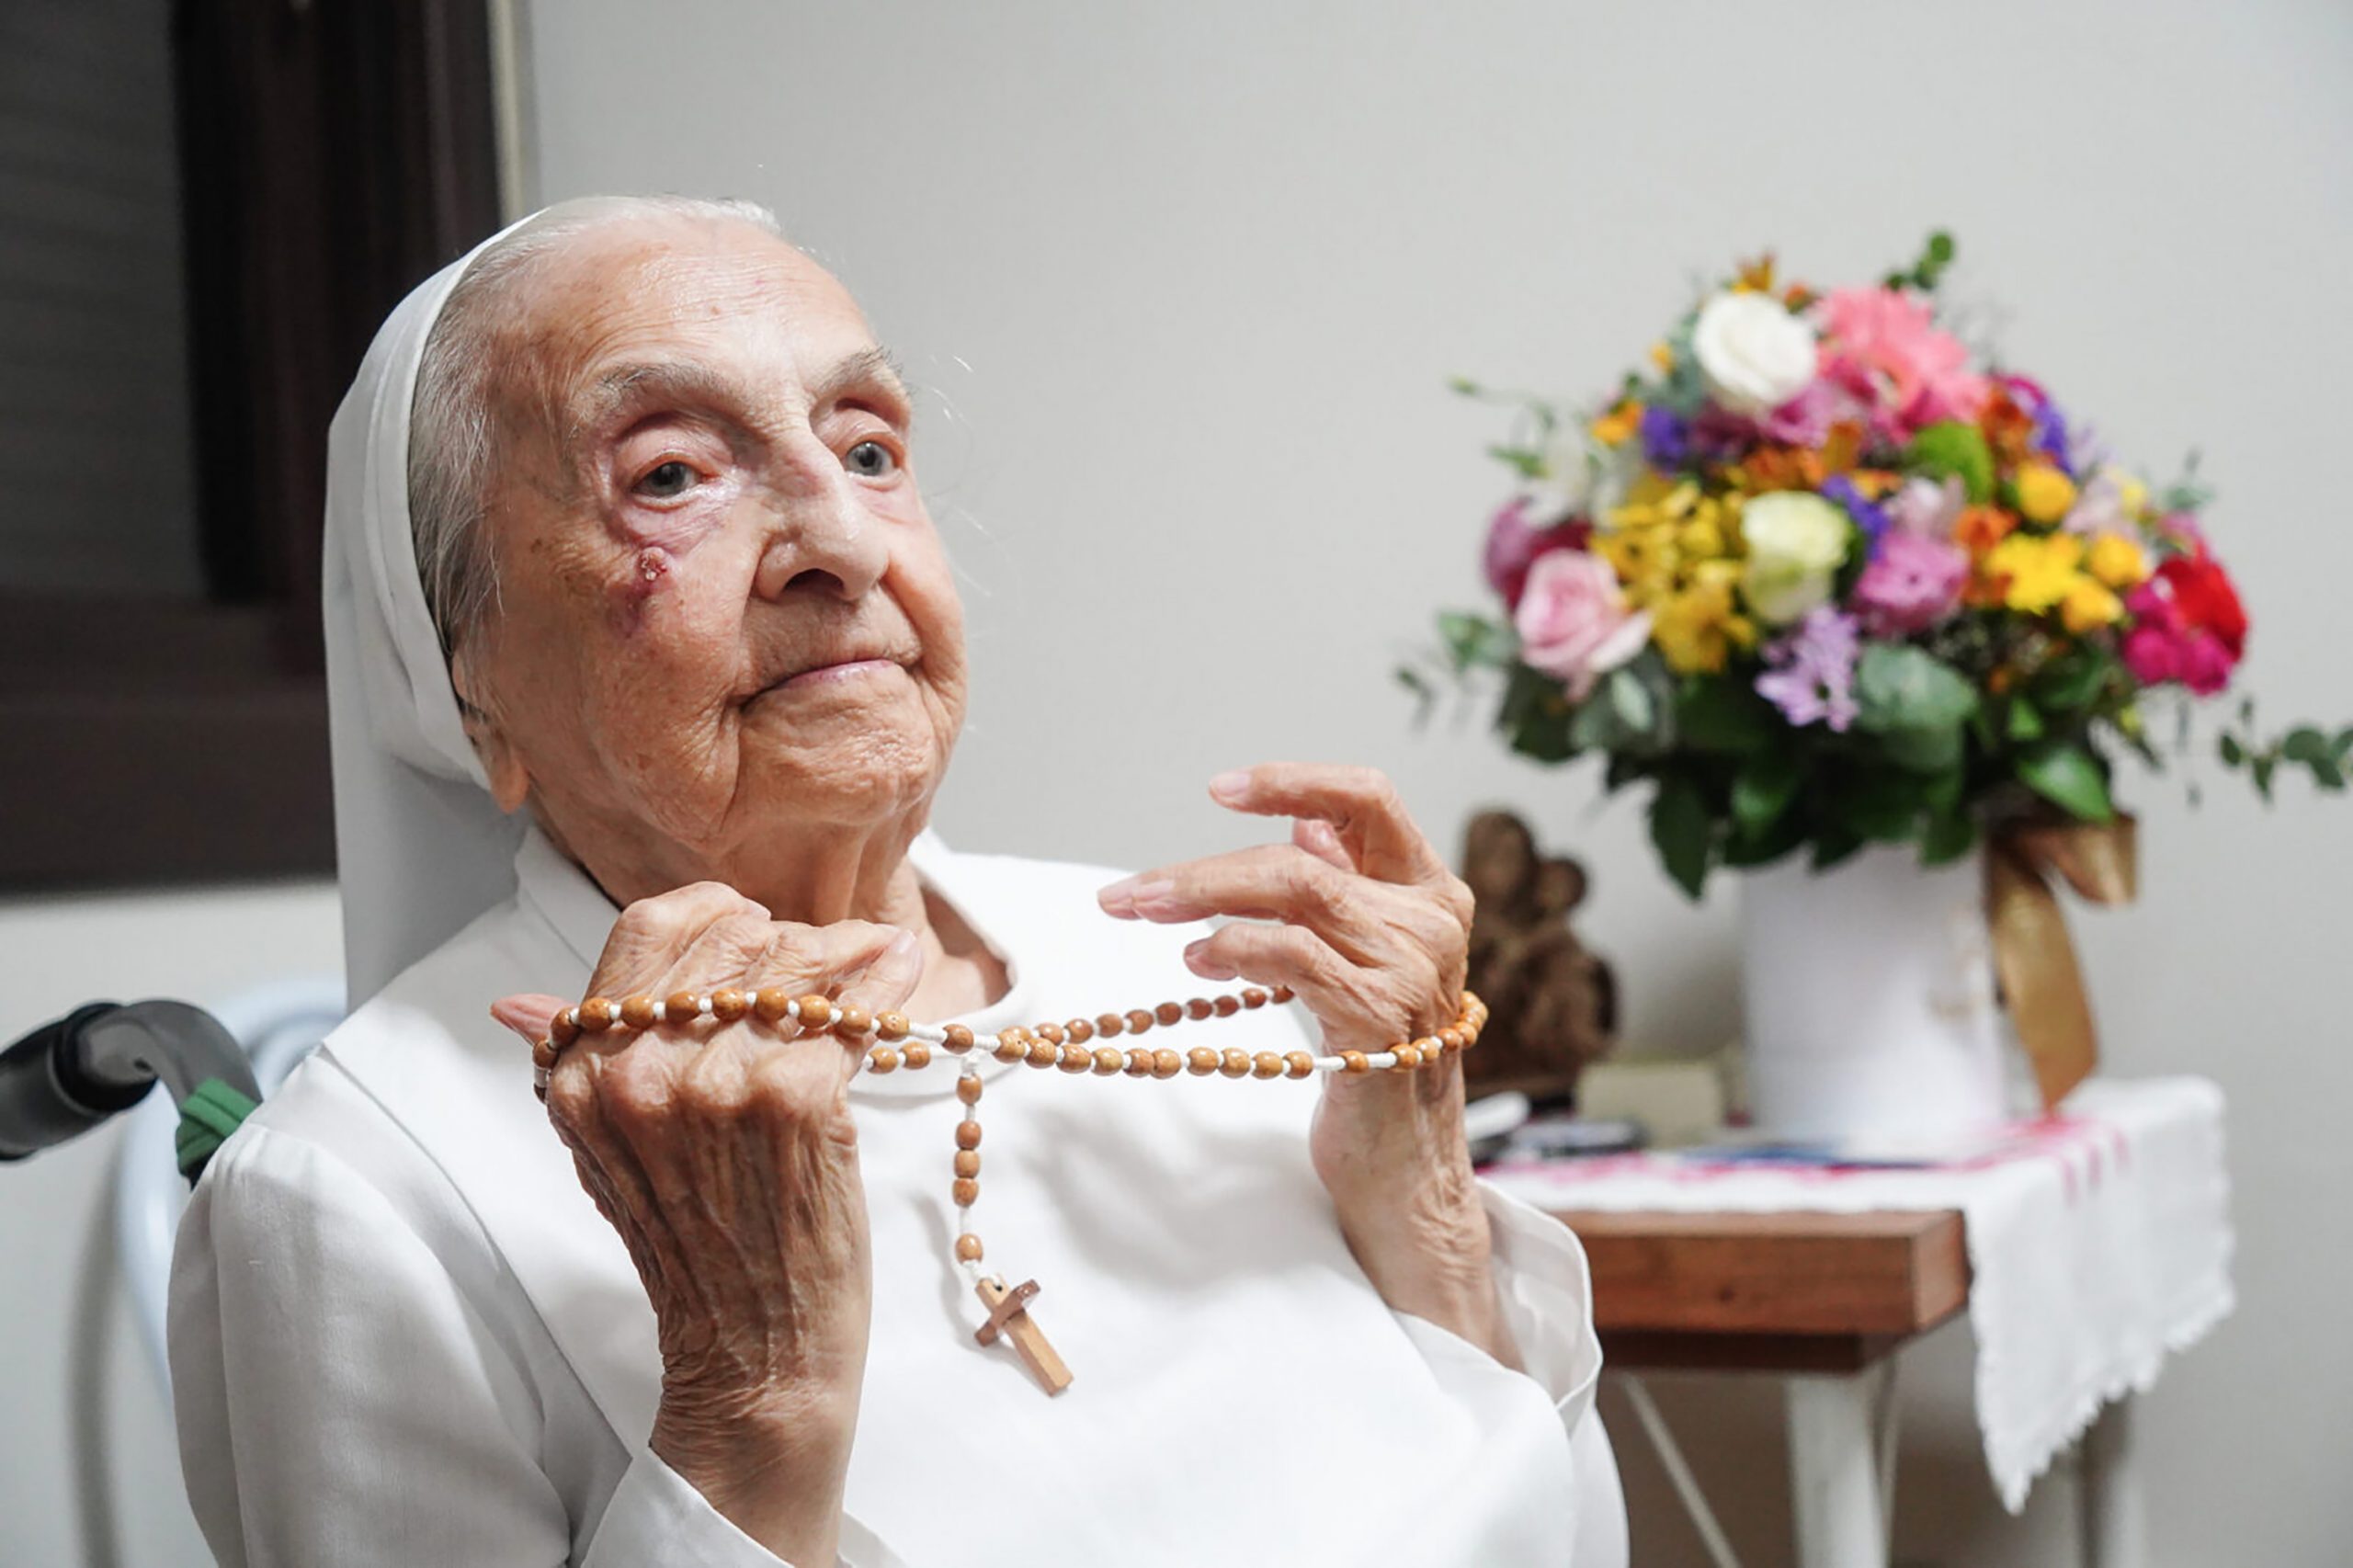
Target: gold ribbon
(2042, 982)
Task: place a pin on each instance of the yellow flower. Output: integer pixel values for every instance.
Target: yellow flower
(2119, 561)
(2044, 493)
(1697, 628)
(2089, 607)
(2038, 571)
(1619, 423)
(2130, 493)
(1662, 354)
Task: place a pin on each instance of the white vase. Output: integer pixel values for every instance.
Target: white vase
(1868, 991)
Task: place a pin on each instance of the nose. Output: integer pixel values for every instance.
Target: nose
(824, 540)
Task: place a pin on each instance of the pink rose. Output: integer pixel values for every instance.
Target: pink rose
(1886, 344)
(1573, 622)
(1913, 583)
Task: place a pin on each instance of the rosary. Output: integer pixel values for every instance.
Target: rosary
(1073, 1046)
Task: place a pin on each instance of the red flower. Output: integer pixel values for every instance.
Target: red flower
(2203, 598)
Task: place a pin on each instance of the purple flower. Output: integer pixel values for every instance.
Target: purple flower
(1667, 438)
(1811, 673)
(1867, 517)
(1805, 420)
(1911, 584)
(2051, 436)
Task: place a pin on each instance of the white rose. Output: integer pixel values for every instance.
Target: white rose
(1796, 541)
(1754, 354)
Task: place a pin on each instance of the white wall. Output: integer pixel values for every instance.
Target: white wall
(1186, 279)
(200, 946)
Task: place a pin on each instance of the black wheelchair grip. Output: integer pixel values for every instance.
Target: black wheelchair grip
(46, 1096)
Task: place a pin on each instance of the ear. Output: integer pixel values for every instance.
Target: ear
(510, 781)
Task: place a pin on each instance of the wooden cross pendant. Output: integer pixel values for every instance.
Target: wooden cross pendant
(1010, 1315)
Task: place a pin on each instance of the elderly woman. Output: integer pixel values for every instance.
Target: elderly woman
(647, 666)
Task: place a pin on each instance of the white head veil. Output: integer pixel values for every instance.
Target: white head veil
(421, 849)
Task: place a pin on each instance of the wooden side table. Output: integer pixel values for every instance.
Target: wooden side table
(1823, 1301)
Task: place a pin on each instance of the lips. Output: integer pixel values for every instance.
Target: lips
(844, 664)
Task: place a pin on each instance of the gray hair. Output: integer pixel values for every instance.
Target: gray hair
(452, 415)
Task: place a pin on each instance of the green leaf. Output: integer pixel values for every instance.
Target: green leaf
(2233, 754)
(2326, 773)
(2265, 766)
(1763, 789)
(1535, 716)
(1629, 712)
(1746, 850)
(1899, 686)
(1946, 791)
(1630, 702)
(1722, 714)
(1884, 807)
(1526, 462)
(2305, 745)
(1622, 770)
(2069, 776)
(1947, 837)
(1683, 831)
(1924, 751)
(2075, 680)
(2026, 724)
(1834, 846)
(1474, 642)
(1954, 448)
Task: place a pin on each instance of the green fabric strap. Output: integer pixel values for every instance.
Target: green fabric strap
(211, 1111)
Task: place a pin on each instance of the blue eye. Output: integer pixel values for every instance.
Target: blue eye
(871, 459)
(666, 482)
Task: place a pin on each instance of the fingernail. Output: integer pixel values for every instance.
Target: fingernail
(904, 945)
(1231, 786)
(1119, 897)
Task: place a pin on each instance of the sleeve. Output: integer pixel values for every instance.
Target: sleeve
(1547, 1294)
(340, 1400)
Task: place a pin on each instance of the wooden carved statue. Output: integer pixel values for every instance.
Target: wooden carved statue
(1553, 1006)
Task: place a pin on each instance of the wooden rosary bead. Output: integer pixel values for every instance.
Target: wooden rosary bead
(771, 1004)
(1299, 1065)
(1040, 1054)
(1234, 1063)
(727, 1005)
(853, 1021)
(1138, 1020)
(596, 1015)
(966, 1191)
(968, 1136)
(967, 1163)
(637, 1012)
(543, 1054)
(968, 1248)
(1111, 1026)
(1075, 1058)
(1108, 1059)
(1012, 1044)
(680, 1006)
(1168, 1014)
(882, 1058)
(968, 1089)
(1266, 1064)
(1080, 1030)
(1450, 1040)
(1225, 1006)
(918, 1054)
(1167, 1063)
(889, 1026)
(1197, 1008)
(1279, 995)
(816, 1012)
(1139, 1064)
(563, 1028)
(1202, 1061)
(1254, 997)
(960, 1038)
(1407, 1056)
(1353, 1061)
(1050, 1033)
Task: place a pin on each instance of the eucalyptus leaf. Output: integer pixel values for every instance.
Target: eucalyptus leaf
(2025, 724)
(1899, 686)
(2068, 776)
(1763, 788)
(2233, 754)
(1717, 713)
(2305, 745)
(1947, 837)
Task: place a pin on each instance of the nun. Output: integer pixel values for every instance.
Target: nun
(636, 1214)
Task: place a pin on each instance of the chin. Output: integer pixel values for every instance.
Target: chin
(869, 773)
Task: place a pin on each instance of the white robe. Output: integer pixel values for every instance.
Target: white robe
(402, 1334)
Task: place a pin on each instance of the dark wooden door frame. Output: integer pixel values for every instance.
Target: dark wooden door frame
(333, 154)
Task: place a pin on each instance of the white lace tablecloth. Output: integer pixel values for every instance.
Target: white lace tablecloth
(2100, 1239)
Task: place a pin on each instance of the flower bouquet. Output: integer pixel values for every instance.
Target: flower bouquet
(1828, 580)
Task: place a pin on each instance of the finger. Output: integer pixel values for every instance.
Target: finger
(1359, 803)
(1345, 999)
(652, 932)
(885, 984)
(1320, 839)
(822, 959)
(528, 1015)
(1273, 881)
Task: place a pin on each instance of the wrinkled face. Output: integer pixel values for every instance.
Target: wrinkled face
(724, 620)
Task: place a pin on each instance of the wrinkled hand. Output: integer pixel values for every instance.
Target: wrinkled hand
(726, 1158)
(1362, 918)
